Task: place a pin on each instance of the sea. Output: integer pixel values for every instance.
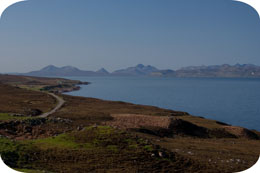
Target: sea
(233, 101)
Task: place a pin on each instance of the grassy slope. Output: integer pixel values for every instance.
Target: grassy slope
(219, 150)
(104, 148)
(94, 148)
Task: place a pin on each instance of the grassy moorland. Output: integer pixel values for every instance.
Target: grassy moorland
(88, 134)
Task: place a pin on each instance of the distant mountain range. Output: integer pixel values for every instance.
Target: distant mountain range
(221, 71)
(139, 70)
(52, 70)
(225, 71)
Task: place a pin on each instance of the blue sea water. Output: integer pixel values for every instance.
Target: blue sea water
(234, 101)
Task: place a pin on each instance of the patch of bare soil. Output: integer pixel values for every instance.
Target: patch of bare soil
(131, 121)
(168, 126)
(241, 132)
(157, 125)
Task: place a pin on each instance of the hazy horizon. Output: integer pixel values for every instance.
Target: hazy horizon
(92, 34)
(119, 68)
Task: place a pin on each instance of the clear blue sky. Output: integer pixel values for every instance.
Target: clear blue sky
(91, 34)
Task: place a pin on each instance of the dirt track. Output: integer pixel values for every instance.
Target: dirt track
(58, 106)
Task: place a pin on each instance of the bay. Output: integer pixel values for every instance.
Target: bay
(233, 101)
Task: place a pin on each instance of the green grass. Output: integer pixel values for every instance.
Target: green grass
(60, 141)
(101, 140)
(103, 130)
(148, 147)
(15, 154)
(91, 138)
(7, 145)
(6, 116)
(69, 140)
(31, 88)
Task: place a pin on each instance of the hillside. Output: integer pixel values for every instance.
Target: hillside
(93, 135)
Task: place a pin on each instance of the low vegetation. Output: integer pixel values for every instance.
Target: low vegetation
(22, 101)
(93, 135)
(7, 117)
(93, 148)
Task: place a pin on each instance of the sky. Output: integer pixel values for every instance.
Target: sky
(90, 34)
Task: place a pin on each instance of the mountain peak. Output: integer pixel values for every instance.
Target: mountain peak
(140, 66)
(49, 67)
(102, 71)
(69, 68)
(140, 69)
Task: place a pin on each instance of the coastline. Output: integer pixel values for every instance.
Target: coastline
(216, 99)
(153, 136)
(59, 89)
(77, 88)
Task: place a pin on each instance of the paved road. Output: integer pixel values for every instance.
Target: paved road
(58, 106)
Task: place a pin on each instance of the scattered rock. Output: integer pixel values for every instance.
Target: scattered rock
(17, 115)
(79, 128)
(190, 153)
(33, 112)
(31, 128)
(241, 132)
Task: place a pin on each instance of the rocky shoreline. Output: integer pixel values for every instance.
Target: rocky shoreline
(64, 88)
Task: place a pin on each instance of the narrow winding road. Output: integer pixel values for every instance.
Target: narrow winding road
(58, 106)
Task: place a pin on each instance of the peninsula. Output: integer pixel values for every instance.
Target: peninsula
(43, 129)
